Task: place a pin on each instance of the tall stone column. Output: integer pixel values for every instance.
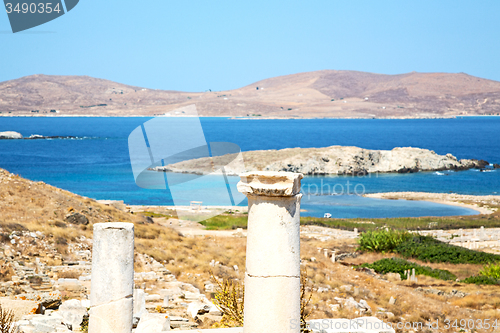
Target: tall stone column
(111, 301)
(272, 277)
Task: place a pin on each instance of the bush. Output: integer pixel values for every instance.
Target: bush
(481, 279)
(492, 271)
(424, 248)
(382, 240)
(229, 297)
(396, 265)
(428, 249)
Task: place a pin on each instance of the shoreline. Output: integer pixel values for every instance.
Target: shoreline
(204, 208)
(235, 117)
(479, 203)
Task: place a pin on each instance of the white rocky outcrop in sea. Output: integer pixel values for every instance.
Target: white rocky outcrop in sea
(337, 160)
(10, 135)
(16, 135)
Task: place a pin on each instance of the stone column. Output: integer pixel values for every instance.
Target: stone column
(112, 283)
(272, 277)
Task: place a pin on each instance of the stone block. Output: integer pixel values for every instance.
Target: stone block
(72, 312)
(20, 308)
(153, 323)
(139, 303)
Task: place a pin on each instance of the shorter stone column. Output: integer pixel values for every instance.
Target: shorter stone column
(111, 301)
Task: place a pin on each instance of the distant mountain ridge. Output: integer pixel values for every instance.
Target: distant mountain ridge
(326, 93)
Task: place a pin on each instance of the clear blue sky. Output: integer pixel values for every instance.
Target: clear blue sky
(199, 45)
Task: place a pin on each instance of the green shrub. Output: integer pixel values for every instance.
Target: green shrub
(491, 270)
(153, 214)
(382, 240)
(225, 222)
(400, 266)
(481, 279)
(429, 249)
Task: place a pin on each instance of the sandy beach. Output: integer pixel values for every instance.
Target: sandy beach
(484, 204)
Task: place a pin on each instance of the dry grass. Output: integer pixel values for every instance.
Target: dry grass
(24, 203)
(7, 323)
(411, 305)
(462, 271)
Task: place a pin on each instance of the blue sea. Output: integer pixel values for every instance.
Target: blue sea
(97, 164)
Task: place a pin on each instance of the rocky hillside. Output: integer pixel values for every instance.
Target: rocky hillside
(335, 160)
(25, 203)
(327, 93)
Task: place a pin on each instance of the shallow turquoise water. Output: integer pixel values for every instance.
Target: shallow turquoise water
(352, 206)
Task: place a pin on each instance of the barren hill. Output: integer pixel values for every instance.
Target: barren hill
(326, 93)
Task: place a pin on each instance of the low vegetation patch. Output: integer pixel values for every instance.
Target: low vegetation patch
(491, 270)
(481, 279)
(225, 222)
(400, 266)
(382, 240)
(428, 249)
(424, 248)
(490, 274)
(408, 223)
(153, 214)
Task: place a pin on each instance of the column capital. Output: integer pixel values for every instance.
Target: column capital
(270, 183)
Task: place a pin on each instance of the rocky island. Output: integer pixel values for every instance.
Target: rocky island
(334, 160)
(10, 135)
